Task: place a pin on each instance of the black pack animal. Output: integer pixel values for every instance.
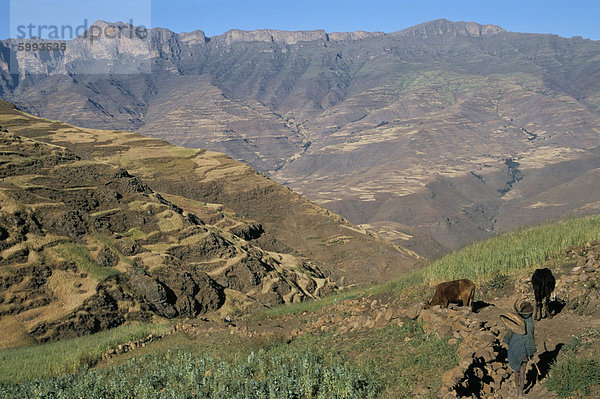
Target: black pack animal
(543, 284)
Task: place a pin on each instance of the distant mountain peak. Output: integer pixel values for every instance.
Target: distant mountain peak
(443, 26)
(102, 30)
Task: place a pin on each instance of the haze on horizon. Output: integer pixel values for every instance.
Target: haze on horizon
(215, 17)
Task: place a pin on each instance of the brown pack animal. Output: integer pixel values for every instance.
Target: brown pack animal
(457, 291)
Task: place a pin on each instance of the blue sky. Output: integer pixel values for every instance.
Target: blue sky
(565, 18)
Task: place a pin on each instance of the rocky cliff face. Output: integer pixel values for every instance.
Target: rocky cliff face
(271, 36)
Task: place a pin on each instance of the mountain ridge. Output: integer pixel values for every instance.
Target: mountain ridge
(373, 128)
(443, 26)
(439, 26)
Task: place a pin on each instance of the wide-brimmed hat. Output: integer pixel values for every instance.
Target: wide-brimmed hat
(523, 308)
(514, 322)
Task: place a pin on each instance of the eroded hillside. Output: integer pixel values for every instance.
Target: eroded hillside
(191, 178)
(87, 246)
(120, 227)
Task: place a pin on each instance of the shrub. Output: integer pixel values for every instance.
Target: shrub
(573, 376)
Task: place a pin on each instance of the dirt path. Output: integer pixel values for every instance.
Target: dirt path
(551, 334)
(484, 372)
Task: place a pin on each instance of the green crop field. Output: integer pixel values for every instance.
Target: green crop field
(514, 251)
(81, 257)
(367, 364)
(184, 374)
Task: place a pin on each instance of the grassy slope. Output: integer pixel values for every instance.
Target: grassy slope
(576, 374)
(514, 251)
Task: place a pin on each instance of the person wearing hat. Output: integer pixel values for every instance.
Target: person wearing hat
(521, 342)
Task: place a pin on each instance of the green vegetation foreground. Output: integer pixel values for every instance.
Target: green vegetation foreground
(183, 374)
